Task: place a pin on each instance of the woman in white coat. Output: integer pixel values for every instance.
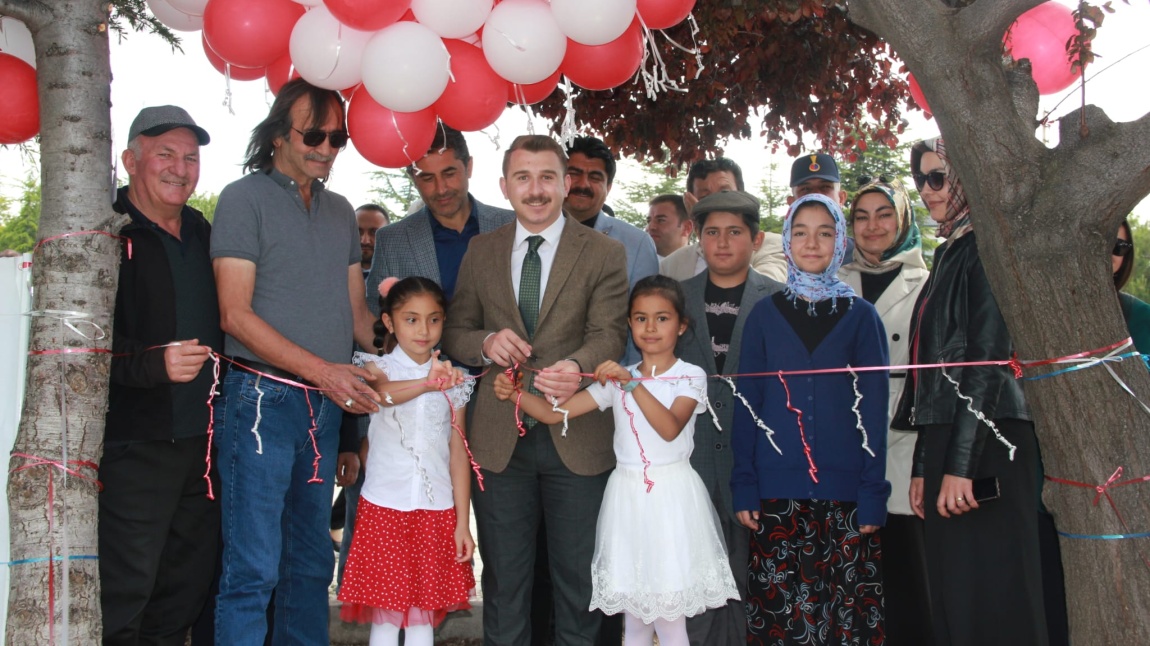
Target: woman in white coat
(888, 270)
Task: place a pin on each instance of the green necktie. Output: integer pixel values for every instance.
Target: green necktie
(529, 285)
(529, 279)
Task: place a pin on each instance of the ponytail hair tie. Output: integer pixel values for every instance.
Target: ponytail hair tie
(386, 285)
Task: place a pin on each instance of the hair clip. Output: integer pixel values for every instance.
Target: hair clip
(386, 285)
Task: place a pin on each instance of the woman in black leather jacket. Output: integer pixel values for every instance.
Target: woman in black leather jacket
(974, 427)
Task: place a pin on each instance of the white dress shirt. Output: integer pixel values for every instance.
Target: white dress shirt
(546, 253)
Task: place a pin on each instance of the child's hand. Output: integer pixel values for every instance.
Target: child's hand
(609, 370)
(748, 519)
(504, 389)
(464, 544)
(440, 371)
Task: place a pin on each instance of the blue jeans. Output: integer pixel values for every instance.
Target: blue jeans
(275, 522)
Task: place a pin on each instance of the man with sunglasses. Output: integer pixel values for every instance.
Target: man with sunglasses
(287, 261)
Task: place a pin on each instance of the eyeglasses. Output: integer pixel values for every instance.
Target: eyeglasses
(1122, 248)
(935, 178)
(313, 138)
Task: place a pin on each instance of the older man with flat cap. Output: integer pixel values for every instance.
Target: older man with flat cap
(158, 531)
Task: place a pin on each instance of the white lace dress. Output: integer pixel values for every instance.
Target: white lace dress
(658, 554)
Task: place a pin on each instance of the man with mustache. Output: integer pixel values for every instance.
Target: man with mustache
(591, 167)
(158, 531)
(369, 219)
(431, 241)
(287, 261)
(550, 296)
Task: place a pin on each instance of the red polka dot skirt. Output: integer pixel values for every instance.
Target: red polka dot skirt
(401, 568)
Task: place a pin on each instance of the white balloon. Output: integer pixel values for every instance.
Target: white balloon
(190, 7)
(326, 53)
(16, 40)
(593, 22)
(452, 18)
(310, 3)
(405, 67)
(174, 18)
(522, 41)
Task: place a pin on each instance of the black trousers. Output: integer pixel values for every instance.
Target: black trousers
(905, 591)
(158, 539)
(983, 566)
(535, 486)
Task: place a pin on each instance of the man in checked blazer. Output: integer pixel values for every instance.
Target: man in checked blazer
(431, 241)
(718, 302)
(581, 296)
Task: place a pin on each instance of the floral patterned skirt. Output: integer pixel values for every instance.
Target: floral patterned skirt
(812, 577)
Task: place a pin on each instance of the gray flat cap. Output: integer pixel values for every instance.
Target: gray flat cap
(156, 120)
(737, 202)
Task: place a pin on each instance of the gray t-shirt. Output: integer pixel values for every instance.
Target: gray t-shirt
(301, 259)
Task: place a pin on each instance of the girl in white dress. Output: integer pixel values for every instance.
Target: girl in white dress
(410, 559)
(659, 553)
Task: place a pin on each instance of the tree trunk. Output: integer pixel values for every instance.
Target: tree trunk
(55, 590)
(1046, 220)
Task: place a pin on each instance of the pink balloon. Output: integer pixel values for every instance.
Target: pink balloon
(386, 138)
(663, 14)
(916, 93)
(532, 92)
(601, 67)
(477, 96)
(368, 15)
(280, 72)
(250, 33)
(237, 73)
(19, 102)
(1041, 35)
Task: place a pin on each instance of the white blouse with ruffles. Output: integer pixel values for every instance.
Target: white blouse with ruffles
(409, 456)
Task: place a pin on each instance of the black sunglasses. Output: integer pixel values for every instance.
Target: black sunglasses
(936, 178)
(1122, 248)
(313, 138)
(867, 179)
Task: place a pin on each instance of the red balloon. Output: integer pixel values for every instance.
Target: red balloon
(477, 96)
(916, 93)
(601, 67)
(534, 92)
(386, 138)
(1041, 35)
(367, 15)
(250, 33)
(19, 102)
(662, 14)
(280, 72)
(237, 73)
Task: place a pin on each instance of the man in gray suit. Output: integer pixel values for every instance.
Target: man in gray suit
(591, 167)
(550, 295)
(431, 241)
(718, 302)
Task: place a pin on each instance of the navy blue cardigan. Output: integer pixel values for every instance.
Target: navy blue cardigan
(845, 471)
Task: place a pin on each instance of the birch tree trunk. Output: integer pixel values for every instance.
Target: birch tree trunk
(1046, 221)
(51, 489)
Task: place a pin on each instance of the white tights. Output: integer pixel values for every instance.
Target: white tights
(388, 635)
(637, 633)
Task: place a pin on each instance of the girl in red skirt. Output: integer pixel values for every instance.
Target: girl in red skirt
(410, 560)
